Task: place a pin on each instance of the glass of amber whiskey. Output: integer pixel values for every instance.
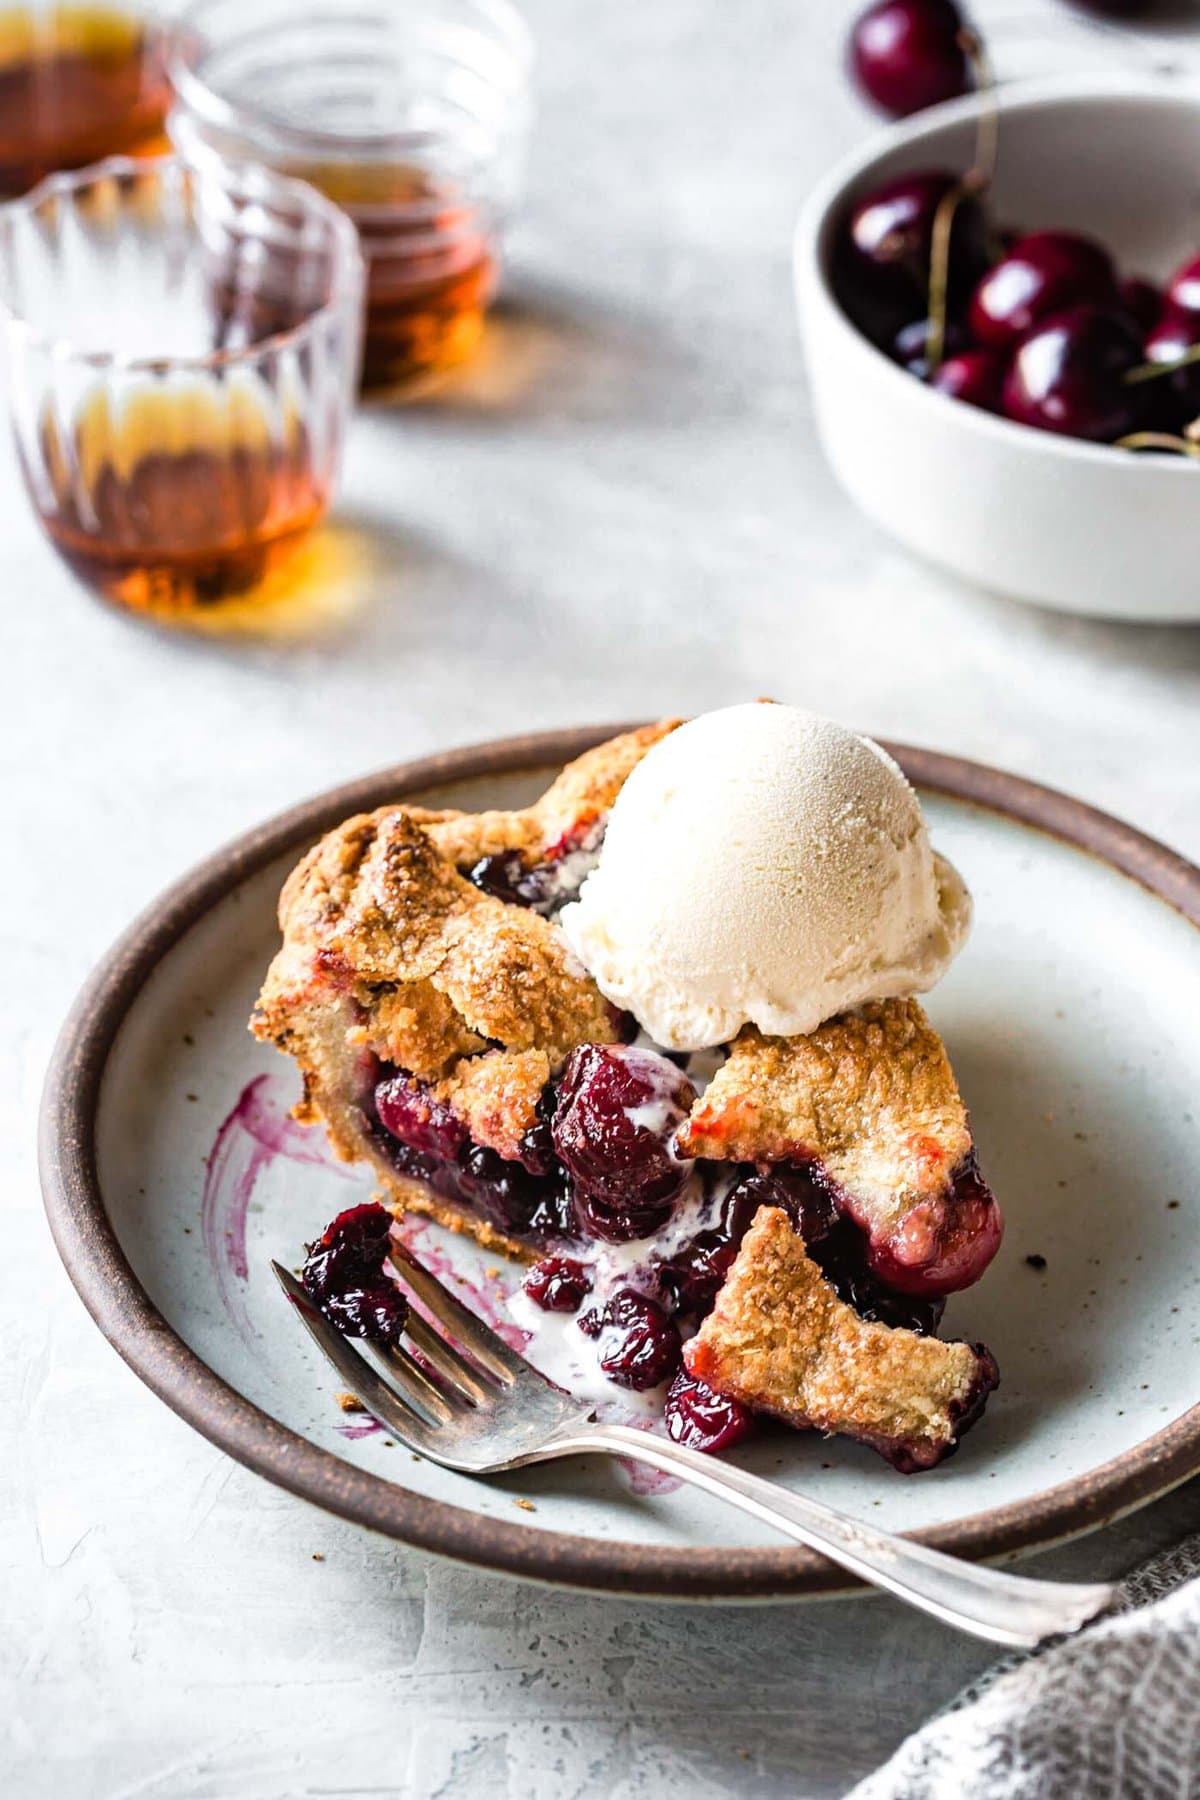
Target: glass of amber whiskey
(182, 359)
(77, 82)
(413, 118)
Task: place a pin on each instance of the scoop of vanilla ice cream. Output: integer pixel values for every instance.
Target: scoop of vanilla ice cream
(763, 865)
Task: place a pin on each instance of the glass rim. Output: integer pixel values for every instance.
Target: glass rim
(348, 269)
(206, 102)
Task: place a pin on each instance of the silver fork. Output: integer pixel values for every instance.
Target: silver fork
(474, 1405)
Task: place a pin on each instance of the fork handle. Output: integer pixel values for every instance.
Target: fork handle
(989, 1603)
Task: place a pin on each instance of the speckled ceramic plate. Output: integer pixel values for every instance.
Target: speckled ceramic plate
(173, 1174)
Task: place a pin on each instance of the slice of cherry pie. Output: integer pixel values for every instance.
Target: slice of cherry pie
(448, 1036)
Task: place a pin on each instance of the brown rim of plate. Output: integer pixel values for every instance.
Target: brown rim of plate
(137, 1330)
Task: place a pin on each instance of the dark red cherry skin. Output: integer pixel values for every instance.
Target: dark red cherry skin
(696, 1415)
(691, 1279)
(558, 1284)
(1183, 289)
(1042, 274)
(944, 1245)
(1068, 376)
(1143, 302)
(343, 1274)
(973, 376)
(408, 1109)
(614, 1126)
(911, 346)
(1173, 401)
(906, 55)
(795, 1188)
(639, 1346)
(881, 265)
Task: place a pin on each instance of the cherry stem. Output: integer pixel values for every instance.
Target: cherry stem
(1150, 371)
(976, 181)
(987, 131)
(1158, 440)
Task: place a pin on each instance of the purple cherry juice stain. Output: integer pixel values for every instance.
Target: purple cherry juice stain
(426, 1241)
(643, 1480)
(368, 1428)
(251, 1137)
(485, 1301)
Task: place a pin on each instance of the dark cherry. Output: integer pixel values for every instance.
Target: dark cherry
(1142, 301)
(539, 887)
(408, 1109)
(911, 346)
(558, 1284)
(343, 1273)
(618, 1110)
(504, 1192)
(639, 1346)
(946, 1244)
(1117, 9)
(908, 54)
(881, 263)
(690, 1280)
(843, 1257)
(1069, 375)
(973, 376)
(795, 1187)
(1042, 274)
(537, 1145)
(1183, 289)
(543, 886)
(1173, 401)
(696, 1415)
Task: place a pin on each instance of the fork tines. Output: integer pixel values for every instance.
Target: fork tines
(446, 1377)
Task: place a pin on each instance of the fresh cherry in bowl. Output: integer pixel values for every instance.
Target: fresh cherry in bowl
(1042, 273)
(1173, 401)
(1183, 289)
(1070, 375)
(884, 251)
(1033, 514)
(976, 377)
(1142, 300)
(906, 55)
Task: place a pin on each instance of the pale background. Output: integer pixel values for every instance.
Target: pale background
(622, 512)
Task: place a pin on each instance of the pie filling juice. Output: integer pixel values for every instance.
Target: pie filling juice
(77, 83)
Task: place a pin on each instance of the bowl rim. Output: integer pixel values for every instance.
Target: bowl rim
(128, 1318)
(349, 275)
(827, 200)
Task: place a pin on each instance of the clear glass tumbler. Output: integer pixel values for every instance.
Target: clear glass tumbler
(182, 358)
(78, 82)
(413, 117)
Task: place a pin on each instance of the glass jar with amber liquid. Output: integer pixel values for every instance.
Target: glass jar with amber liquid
(77, 82)
(182, 360)
(413, 118)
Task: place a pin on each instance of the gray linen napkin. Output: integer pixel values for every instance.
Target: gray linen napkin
(1113, 1714)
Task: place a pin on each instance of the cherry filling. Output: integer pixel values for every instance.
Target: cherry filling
(946, 1243)
(343, 1273)
(599, 1165)
(407, 1109)
(558, 1284)
(613, 1130)
(696, 1415)
(637, 1345)
(546, 885)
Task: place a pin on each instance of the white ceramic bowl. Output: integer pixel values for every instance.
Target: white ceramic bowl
(1081, 527)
